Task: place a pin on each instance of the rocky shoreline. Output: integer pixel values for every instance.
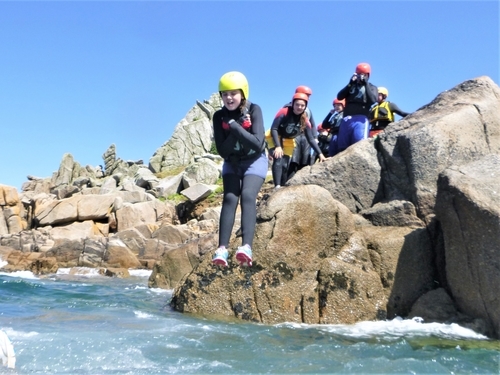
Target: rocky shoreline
(407, 224)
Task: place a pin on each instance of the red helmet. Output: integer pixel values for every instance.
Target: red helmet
(320, 127)
(300, 95)
(363, 68)
(304, 90)
(336, 101)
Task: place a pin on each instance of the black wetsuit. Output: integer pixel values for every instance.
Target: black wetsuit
(244, 170)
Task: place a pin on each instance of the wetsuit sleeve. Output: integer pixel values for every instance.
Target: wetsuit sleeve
(274, 127)
(224, 140)
(313, 125)
(344, 92)
(326, 124)
(371, 94)
(395, 109)
(252, 138)
(311, 140)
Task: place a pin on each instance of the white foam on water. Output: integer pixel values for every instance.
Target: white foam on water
(20, 274)
(13, 334)
(85, 271)
(142, 315)
(140, 273)
(397, 327)
(160, 290)
(63, 271)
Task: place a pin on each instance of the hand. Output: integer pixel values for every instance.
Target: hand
(321, 158)
(278, 152)
(354, 78)
(245, 121)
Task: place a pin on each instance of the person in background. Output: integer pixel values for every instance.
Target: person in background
(359, 96)
(382, 114)
(332, 124)
(302, 154)
(289, 123)
(239, 139)
(323, 141)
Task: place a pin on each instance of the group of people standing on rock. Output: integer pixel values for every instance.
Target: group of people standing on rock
(360, 110)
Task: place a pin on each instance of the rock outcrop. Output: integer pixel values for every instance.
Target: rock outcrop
(405, 214)
(192, 136)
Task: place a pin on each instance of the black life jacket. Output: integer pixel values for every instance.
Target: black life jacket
(240, 150)
(288, 126)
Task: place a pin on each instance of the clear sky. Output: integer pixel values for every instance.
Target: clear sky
(78, 76)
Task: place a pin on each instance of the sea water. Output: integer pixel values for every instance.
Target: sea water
(92, 324)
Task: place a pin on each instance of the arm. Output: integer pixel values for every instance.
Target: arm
(274, 127)
(371, 93)
(224, 141)
(394, 108)
(252, 138)
(326, 123)
(312, 141)
(313, 124)
(344, 92)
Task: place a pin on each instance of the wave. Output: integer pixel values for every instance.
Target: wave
(396, 328)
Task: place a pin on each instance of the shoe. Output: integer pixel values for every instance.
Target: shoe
(220, 257)
(244, 256)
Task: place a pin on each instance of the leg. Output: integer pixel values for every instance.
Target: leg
(277, 170)
(232, 191)
(285, 168)
(360, 129)
(250, 188)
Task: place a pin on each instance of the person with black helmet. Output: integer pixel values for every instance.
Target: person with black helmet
(382, 114)
(239, 139)
(359, 96)
(289, 123)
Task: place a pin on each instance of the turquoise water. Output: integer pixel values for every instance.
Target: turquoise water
(92, 324)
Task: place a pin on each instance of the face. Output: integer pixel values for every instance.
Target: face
(299, 106)
(231, 99)
(380, 98)
(338, 107)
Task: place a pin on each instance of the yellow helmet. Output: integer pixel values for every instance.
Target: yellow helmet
(383, 91)
(234, 81)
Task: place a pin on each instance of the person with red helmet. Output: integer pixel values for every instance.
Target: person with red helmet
(359, 96)
(382, 114)
(332, 124)
(302, 153)
(289, 123)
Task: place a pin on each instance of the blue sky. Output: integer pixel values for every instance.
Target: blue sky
(76, 77)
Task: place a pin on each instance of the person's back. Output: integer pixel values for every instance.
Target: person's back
(382, 114)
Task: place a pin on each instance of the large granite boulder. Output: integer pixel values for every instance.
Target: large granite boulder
(11, 211)
(313, 264)
(468, 207)
(403, 163)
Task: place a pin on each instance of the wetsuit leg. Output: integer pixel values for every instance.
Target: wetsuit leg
(250, 188)
(232, 192)
(277, 170)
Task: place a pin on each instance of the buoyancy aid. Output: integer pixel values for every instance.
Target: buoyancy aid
(381, 112)
(288, 144)
(288, 126)
(241, 151)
